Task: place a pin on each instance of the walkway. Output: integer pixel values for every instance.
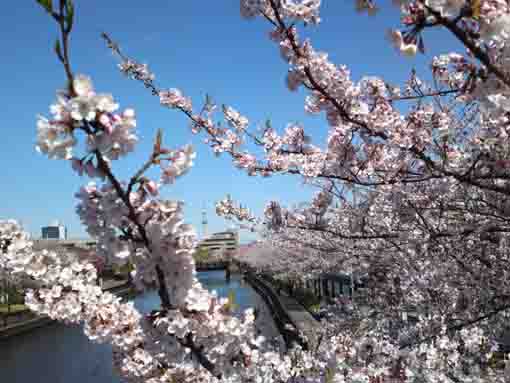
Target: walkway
(290, 316)
(301, 318)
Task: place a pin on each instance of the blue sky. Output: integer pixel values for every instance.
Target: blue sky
(198, 46)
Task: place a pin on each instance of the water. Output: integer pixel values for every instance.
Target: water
(62, 354)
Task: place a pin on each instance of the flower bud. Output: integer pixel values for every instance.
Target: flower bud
(152, 188)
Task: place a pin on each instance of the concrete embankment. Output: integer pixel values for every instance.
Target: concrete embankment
(23, 326)
(294, 322)
(27, 321)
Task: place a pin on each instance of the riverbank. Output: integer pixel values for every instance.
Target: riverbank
(25, 321)
(59, 353)
(294, 321)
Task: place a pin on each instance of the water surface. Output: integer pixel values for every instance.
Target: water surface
(62, 354)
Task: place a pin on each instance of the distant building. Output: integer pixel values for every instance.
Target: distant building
(226, 240)
(55, 231)
(84, 249)
(89, 244)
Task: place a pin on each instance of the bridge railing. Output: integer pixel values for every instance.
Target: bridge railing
(212, 265)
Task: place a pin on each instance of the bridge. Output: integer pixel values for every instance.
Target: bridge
(213, 265)
(228, 265)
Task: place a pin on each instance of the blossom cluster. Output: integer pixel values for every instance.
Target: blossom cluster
(174, 98)
(235, 119)
(80, 108)
(302, 10)
(227, 208)
(137, 71)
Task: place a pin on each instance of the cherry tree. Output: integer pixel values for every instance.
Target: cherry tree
(416, 201)
(429, 226)
(192, 336)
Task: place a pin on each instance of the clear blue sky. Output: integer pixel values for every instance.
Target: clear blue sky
(198, 46)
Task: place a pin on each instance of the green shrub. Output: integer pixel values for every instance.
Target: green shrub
(15, 293)
(201, 255)
(314, 307)
(123, 270)
(309, 300)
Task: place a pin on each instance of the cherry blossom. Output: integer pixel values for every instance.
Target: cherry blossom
(412, 203)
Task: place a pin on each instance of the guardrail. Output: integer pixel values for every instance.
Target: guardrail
(285, 324)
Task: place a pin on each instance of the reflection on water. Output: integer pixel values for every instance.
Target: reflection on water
(62, 354)
(245, 296)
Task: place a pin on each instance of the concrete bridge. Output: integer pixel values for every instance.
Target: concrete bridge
(229, 265)
(212, 265)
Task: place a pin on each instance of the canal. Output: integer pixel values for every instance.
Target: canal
(62, 354)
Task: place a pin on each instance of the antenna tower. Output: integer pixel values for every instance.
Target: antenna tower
(204, 221)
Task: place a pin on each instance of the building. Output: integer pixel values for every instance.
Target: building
(225, 240)
(83, 249)
(40, 244)
(54, 231)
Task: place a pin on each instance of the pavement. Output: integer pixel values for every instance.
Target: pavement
(113, 283)
(300, 317)
(303, 320)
